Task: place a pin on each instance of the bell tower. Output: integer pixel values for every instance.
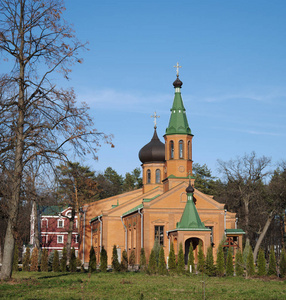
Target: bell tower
(178, 138)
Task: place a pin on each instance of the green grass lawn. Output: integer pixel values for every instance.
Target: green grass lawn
(32, 285)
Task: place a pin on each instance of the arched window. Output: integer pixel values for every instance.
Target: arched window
(148, 176)
(189, 150)
(158, 176)
(171, 149)
(181, 149)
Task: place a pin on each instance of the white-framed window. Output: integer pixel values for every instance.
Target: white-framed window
(60, 239)
(44, 223)
(69, 214)
(60, 223)
(76, 238)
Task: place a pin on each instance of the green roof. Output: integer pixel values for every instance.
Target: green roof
(190, 218)
(133, 209)
(178, 123)
(94, 219)
(150, 199)
(51, 210)
(234, 231)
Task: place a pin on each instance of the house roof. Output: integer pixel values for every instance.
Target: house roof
(190, 218)
(51, 210)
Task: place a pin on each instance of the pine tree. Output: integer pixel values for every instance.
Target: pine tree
(201, 258)
(181, 260)
(92, 261)
(191, 259)
(172, 259)
(103, 260)
(73, 261)
(142, 265)
(44, 261)
(239, 269)
(132, 259)
(26, 261)
(162, 268)
(16, 258)
(34, 260)
(124, 261)
(63, 262)
(210, 268)
(250, 270)
(229, 263)
(282, 263)
(220, 265)
(152, 266)
(115, 262)
(56, 262)
(261, 263)
(272, 263)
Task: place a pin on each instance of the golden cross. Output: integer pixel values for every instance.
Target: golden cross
(177, 67)
(155, 119)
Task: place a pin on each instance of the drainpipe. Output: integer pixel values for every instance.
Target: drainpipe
(125, 232)
(225, 221)
(169, 248)
(142, 230)
(100, 220)
(83, 248)
(91, 233)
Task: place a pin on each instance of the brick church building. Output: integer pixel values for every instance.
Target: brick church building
(167, 207)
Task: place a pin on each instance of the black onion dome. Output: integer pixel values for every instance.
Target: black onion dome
(177, 83)
(154, 151)
(190, 189)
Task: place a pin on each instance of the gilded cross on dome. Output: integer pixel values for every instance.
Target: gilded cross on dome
(155, 119)
(177, 67)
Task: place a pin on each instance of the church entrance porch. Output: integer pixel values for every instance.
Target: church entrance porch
(195, 243)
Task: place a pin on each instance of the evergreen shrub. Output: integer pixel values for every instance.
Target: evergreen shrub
(26, 260)
(142, 264)
(34, 260)
(181, 260)
(191, 259)
(261, 263)
(239, 268)
(103, 260)
(92, 261)
(124, 261)
(56, 262)
(272, 263)
(115, 262)
(172, 259)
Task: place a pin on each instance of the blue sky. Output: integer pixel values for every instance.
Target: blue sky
(233, 58)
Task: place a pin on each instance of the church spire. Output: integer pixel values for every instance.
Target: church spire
(178, 123)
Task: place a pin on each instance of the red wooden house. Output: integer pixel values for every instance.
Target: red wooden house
(53, 223)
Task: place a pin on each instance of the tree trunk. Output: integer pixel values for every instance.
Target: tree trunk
(70, 231)
(9, 244)
(36, 229)
(262, 235)
(246, 216)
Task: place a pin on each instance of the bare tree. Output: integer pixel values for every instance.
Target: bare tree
(245, 186)
(36, 117)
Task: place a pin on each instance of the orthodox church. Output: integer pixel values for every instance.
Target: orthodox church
(167, 207)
